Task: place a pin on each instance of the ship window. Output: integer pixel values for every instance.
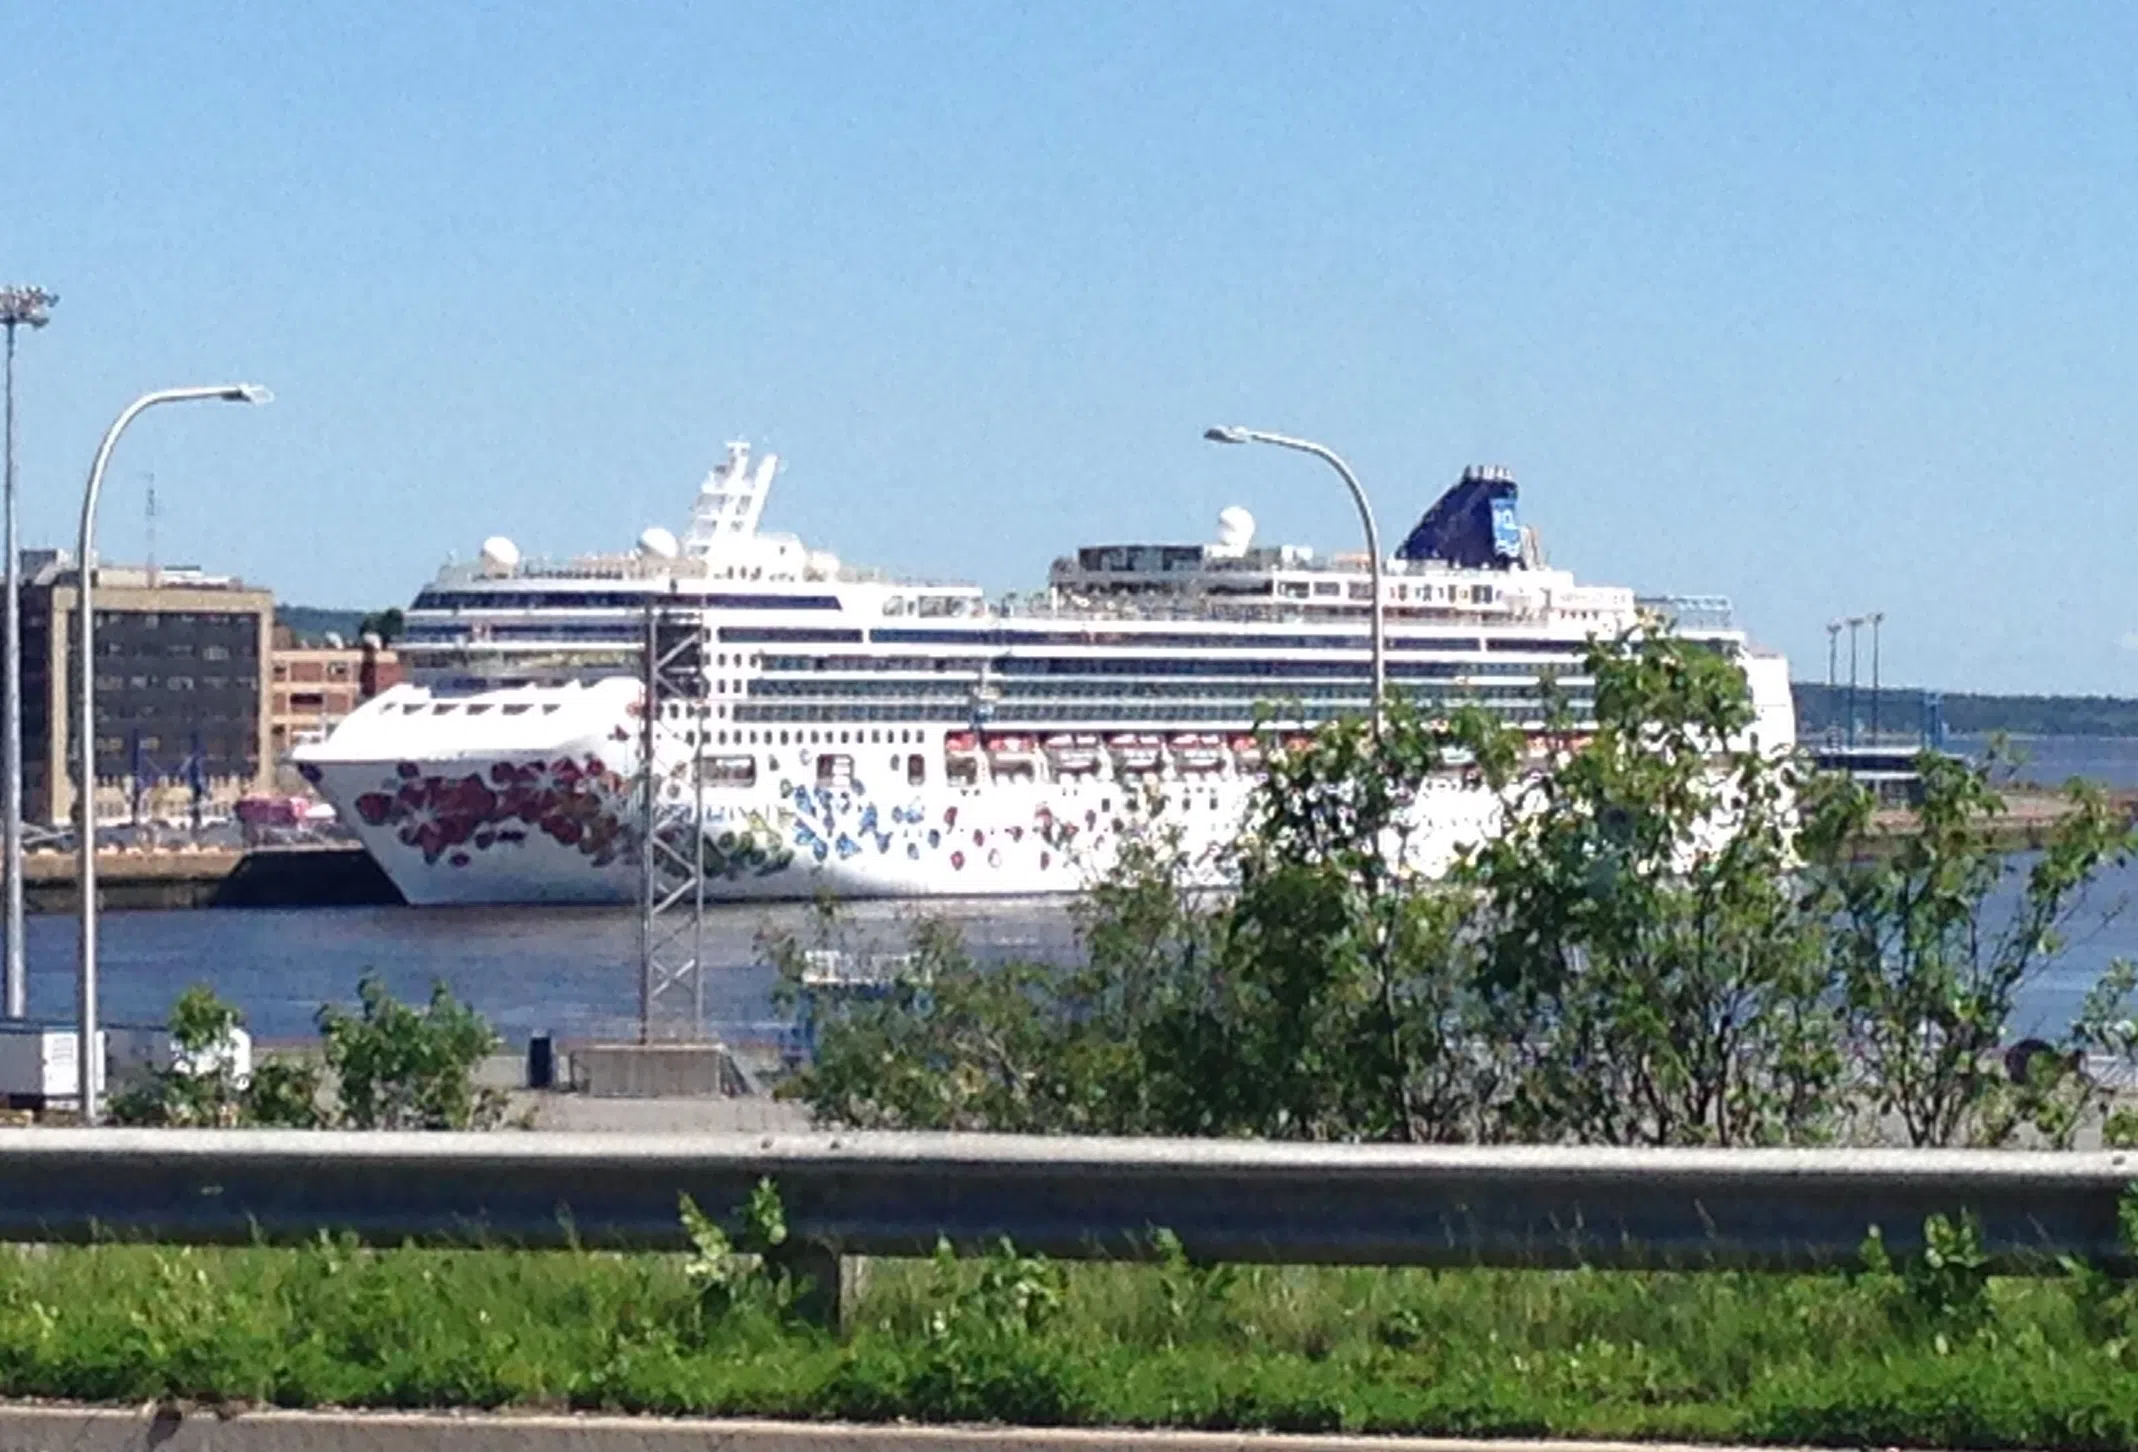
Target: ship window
(835, 770)
(729, 771)
(916, 770)
(783, 738)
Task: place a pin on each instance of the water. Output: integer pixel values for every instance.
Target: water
(570, 971)
(2110, 760)
(573, 971)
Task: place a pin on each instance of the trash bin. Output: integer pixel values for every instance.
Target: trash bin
(542, 1062)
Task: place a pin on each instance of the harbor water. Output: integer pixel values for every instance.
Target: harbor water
(573, 971)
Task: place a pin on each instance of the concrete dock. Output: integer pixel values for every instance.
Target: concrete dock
(192, 877)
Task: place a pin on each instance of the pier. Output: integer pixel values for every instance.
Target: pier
(193, 877)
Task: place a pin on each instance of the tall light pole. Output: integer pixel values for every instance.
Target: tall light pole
(1833, 685)
(1854, 623)
(20, 307)
(85, 786)
(1877, 618)
(1373, 537)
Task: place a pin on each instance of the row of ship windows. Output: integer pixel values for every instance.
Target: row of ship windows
(613, 600)
(1164, 666)
(617, 634)
(1126, 690)
(1044, 714)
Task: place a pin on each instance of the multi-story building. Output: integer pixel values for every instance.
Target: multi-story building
(182, 705)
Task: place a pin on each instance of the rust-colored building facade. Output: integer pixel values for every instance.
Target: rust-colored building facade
(312, 687)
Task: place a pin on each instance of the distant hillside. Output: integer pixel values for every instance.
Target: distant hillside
(311, 624)
(1969, 713)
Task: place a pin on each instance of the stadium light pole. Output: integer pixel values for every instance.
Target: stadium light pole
(1330, 457)
(20, 307)
(1854, 624)
(1877, 618)
(85, 785)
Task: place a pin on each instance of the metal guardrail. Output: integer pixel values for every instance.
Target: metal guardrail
(894, 1194)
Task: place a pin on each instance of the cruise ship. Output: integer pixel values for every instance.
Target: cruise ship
(842, 732)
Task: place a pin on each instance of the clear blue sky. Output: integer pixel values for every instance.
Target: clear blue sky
(1828, 308)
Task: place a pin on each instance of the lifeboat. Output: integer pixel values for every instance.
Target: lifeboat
(1073, 755)
(1196, 752)
(1136, 752)
(1247, 753)
(961, 758)
(1013, 755)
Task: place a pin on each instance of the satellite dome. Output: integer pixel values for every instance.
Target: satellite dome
(1235, 531)
(500, 553)
(657, 543)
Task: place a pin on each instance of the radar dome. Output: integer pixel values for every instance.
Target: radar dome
(500, 553)
(658, 544)
(1235, 531)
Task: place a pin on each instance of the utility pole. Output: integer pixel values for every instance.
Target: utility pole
(19, 307)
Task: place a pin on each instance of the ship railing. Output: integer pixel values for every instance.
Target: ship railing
(1689, 612)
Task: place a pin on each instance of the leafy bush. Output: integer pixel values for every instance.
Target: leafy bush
(397, 1067)
(392, 1067)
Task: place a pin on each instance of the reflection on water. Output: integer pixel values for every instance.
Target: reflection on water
(573, 971)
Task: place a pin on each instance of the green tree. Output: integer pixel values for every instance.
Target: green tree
(386, 624)
(1928, 965)
(1644, 956)
(397, 1067)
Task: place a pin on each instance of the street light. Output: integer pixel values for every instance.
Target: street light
(1373, 535)
(85, 808)
(20, 307)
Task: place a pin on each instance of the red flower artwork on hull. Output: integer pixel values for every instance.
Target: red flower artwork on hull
(577, 803)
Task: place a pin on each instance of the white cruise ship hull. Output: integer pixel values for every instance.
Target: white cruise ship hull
(560, 828)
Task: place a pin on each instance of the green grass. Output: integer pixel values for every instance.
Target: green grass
(1842, 1360)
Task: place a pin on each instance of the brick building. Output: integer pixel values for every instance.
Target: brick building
(182, 707)
(314, 686)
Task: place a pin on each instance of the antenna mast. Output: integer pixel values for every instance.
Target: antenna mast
(153, 579)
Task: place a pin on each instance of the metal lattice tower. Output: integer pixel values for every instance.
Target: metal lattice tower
(671, 801)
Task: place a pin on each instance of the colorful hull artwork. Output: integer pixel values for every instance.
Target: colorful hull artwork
(563, 829)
